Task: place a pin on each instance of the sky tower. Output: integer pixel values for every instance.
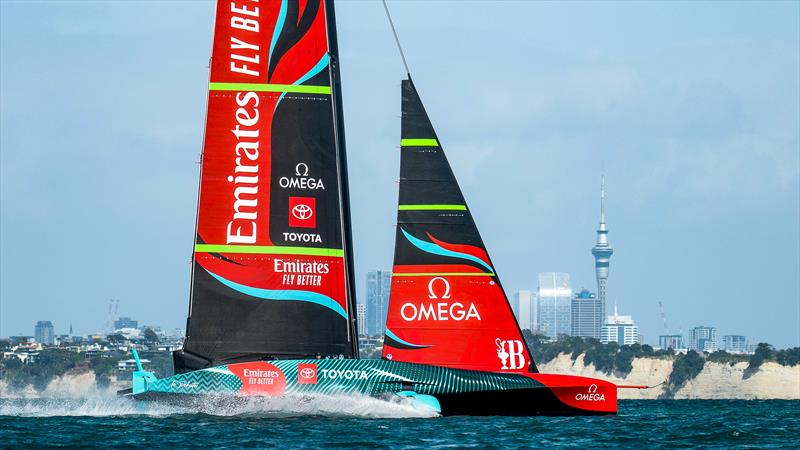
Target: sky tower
(602, 251)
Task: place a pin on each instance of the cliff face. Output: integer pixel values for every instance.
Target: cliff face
(69, 385)
(716, 381)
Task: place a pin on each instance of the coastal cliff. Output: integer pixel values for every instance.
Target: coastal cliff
(715, 380)
(75, 384)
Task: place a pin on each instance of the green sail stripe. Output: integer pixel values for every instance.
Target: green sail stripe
(442, 274)
(268, 250)
(419, 143)
(432, 207)
(259, 87)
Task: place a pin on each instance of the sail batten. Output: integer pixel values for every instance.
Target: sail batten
(447, 307)
(271, 261)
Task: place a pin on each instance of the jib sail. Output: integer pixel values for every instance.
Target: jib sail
(447, 306)
(272, 268)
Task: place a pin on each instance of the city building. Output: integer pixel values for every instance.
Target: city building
(602, 251)
(524, 306)
(671, 341)
(361, 318)
(125, 322)
(129, 365)
(176, 333)
(734, 343)
(620, 329)
(44, 332)
(554, 304)
(587, 315)
(17, 340)
(379, 284)
(703, 339)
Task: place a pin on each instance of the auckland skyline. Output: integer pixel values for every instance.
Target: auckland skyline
(99, 136)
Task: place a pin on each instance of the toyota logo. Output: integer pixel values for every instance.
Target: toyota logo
(302, 212)
(307, 373)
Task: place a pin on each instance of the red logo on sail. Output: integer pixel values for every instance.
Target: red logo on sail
(303, 212)
(307, 373)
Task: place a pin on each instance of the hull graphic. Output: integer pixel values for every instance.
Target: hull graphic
(454, 391)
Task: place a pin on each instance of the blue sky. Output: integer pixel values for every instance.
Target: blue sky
(693, 108)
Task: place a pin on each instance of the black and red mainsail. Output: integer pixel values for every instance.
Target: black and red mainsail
(272, 266)
(447, 306)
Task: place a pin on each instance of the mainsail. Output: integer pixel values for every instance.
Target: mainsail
(447, 306)
(272, 266)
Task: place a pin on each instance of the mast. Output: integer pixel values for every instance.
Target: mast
(344, 188)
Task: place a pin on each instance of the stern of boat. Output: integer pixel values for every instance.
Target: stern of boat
(581, 393)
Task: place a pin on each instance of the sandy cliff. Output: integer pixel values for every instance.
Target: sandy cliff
(716, 381)
(69, 385)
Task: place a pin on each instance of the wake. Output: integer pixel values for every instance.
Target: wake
(105, 403)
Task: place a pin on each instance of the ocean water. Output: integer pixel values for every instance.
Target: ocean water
(104, 421)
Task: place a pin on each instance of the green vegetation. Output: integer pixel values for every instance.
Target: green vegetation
(607, 358)
(370, 352)
(160, 363)
(50, 363)
(55, 362)
(103, 368)
(765, 352)
(150, 336)
(684, 368)
(723, 357)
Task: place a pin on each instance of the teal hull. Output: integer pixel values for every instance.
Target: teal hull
(450, 391)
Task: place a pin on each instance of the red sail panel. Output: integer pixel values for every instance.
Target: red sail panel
(457, 321)
(238, 143)
(447, 306)
(269, 278)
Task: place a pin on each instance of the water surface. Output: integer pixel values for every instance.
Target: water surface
(304, 422)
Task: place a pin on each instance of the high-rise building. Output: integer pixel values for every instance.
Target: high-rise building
(125, 322)
(379, 284)
(44, 332)
(524, 309)
(703, 339)
(602, 250)
(587, 315)
(361, 318)
(620, 329)
(734, 343)
(671, 341)
(554, 304)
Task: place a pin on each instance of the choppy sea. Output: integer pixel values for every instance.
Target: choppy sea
(102, 420)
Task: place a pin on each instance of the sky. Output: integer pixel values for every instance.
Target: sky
(690, 108)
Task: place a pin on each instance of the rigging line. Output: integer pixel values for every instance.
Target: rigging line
(396, 39)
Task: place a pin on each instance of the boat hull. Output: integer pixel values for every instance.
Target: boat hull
(453, 391)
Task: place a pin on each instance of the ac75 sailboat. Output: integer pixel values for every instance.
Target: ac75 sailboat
(272, 304)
